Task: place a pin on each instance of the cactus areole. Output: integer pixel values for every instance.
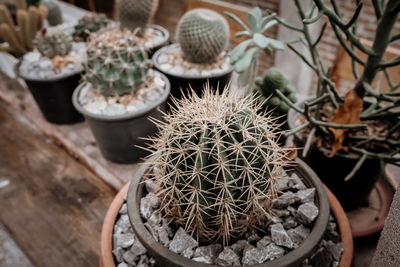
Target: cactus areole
(216, 163)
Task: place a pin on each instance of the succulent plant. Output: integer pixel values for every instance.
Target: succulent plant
(19, 36)
(89, 24)
(53, 42)
(55, 16)
(202, 34)
(136, 14)
(245, 55)
(116, 64)
(216, 163)
(264, 90)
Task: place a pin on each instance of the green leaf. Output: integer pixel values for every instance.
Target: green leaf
(244, 62)
(266, 19)
(253, 22)
(239, 50)
(257, 13)
(244, 78)
(242, 33)
(237, 20)
(276, 44)
(269, 25)
(260, 40)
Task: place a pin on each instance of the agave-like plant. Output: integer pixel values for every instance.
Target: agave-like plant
(244, 56)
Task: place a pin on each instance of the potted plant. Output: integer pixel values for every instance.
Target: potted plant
(119, 92)
(358, 131)
(135, 16)
(52, 72)
(217, 171)
(89, 24)
(199, 57)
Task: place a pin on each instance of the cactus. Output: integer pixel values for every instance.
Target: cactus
(54, 42)
(19, 37)
(216, 163)
(55, 16)
(264, 90)
(116, 64)
(202, 34)
(89, 24)
(136, 14)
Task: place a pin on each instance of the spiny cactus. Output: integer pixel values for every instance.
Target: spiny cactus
(55, 15)
(54, 42)
(264, 90)
(89, 24)
(216, 163)
(116, 64)
(136, 14)
(202, 34)
(19, 37)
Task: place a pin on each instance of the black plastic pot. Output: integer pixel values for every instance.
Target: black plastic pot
(167, 258)
(353, 193)
(165, 33)
(120, 137)
(53, 96)
(181, 84)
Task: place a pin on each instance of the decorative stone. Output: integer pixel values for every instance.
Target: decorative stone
(122, 264)
(298, 234)
(306, 195)
(125, 240)
(280, 237)
(210, 251)
(188, 253)
(159, 82)
(163, 235)
(204, 259)
(118, 253)
(114, 110)
(297, 182)
(148, 204)
(266, 240)
(205, 73)
(150, 186)
(322, 258)
(177, 70)
(306, 213)
(280, 213)
(227, 258)
(253, 238)
(274, 252)
(282, 183)
(95, 107)
(166, 67)
(290, 222)
(259, 255)
(124, 209)
(182, 241)
(193, 72)
(163, 58)
(239, 246)
(123, 223)
(284, 200)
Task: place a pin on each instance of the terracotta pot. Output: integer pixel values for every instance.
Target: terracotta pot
(168, 258)
(107, 258)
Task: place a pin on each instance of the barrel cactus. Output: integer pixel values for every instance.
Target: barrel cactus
(88, 25)
(53, 42)
(264, 90)
(136, 14)
(216, 163)
(202, 34)
(54, 16)
(116, 64)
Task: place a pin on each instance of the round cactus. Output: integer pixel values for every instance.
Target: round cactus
(89, 24)
(216, 163)
(136, 14)
(202, 34)
(54, 17)
(53, 42)
(264, 90)
(115, 63)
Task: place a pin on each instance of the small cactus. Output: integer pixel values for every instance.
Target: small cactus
(88, 25)
(202, 34)
(264, 90)
(19, 36)
(116, 64)
(55, 15)
(136, 14)
(216, 163)
(54, 42)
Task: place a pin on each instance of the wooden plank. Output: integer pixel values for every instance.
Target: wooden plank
(54, 206)
(77, 139)
(10, 254)
(342, 69)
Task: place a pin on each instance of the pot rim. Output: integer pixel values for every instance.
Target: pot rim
(292, 115)
(163, 30)
(288, 259)
(44, 80)
(126, 116)
(160, 51)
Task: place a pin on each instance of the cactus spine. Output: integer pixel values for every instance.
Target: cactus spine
(19, 37)
(54, 42)
(116, 64)
(202, 34)
(216, 164)
(89, 24)
(264, 90)
(136, 14)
